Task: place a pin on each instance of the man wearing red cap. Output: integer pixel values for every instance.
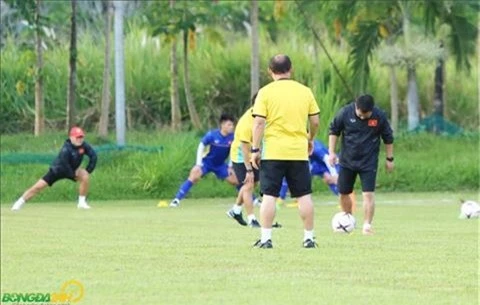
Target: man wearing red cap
(66, 166)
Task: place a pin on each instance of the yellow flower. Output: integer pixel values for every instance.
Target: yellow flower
(20, 86)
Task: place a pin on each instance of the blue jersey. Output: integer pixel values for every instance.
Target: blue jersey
(219, 147)
(319, 152)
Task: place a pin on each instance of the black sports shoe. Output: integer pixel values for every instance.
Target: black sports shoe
(265, 245)
(276, 225)
(237, 217)
(254, 224)
(309, 244)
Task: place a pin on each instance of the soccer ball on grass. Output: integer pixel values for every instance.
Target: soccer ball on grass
(343, 222)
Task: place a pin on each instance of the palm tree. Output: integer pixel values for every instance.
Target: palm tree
(367, 36)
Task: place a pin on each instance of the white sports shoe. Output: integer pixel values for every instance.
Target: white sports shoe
(83, 206)
(175, 203)
(17, 205)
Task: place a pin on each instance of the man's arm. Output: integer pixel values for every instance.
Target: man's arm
(257, 135)
(92, 158)
(200, 151)
(314, 122)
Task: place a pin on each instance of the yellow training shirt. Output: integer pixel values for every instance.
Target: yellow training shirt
(286, 106)
(243, 133)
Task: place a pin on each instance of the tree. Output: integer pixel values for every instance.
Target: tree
(174, 94)
(105, 106)
(188, 30)
(72, 68)
(367, 19)
(255, 55)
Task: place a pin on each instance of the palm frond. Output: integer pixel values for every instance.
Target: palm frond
(363, 44)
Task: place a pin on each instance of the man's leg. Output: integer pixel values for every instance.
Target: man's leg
(83, 179)
(368, 192)
(299, 180)
(28, 194)
(271, 175)
(195, 175)
(345, 182)
(369, 211)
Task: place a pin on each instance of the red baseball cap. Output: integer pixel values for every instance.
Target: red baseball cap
(76, 132)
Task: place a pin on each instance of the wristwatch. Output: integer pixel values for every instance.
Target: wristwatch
(254, 150)
(390, 159)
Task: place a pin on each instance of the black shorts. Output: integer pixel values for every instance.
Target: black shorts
(51, 177)
(347, 177)
(297, 174)
(241, 171)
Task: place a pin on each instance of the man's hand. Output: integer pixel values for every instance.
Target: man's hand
(255, 159)
(310, 147)
(249, 178)
(332, 159)
(389, 166)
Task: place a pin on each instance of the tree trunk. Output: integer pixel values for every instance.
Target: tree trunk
(176, 123)
(412, 90)
(412, 99)
(394, 99)
(438, 96)
(105, 107)
(197, 124)
(255, 55)
(72, 68)
(39, 103)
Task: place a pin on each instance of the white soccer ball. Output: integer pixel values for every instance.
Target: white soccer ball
(343, 222)
(469, 209)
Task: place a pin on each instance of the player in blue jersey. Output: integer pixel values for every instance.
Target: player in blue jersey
(319, 166)
(218, 142)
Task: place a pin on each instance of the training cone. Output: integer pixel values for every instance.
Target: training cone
(162, 204)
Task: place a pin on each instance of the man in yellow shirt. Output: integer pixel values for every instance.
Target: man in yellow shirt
(246, 174)
(282, 112)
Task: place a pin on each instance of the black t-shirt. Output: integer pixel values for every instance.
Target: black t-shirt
(361, 138)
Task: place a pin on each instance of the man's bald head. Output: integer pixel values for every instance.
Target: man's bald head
(280, 64)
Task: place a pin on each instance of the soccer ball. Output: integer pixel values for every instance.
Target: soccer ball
(469, 209)
(343, 222)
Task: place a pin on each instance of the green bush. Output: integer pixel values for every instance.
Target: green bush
(423, 163)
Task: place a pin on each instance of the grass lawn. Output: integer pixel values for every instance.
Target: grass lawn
(133, 252)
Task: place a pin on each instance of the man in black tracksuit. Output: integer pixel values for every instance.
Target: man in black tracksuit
(361, 125)
(66, 166)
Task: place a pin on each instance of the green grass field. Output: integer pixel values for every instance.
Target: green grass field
(136, 253)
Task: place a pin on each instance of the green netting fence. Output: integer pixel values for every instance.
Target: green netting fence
(47, 158)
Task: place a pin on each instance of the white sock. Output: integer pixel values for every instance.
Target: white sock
(307, 235)
(82, 199)
(251, 217)
(237, 209)
(367, 226)
(266, 235)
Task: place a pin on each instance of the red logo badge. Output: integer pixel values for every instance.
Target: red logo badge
(81, 151)
(372, 123)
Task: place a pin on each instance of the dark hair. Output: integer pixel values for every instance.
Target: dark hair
(226, 117)
(365, 103)
(280, 64)
(254, 97)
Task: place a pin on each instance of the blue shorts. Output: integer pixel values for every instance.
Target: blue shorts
(221, 171)
(319, 169)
